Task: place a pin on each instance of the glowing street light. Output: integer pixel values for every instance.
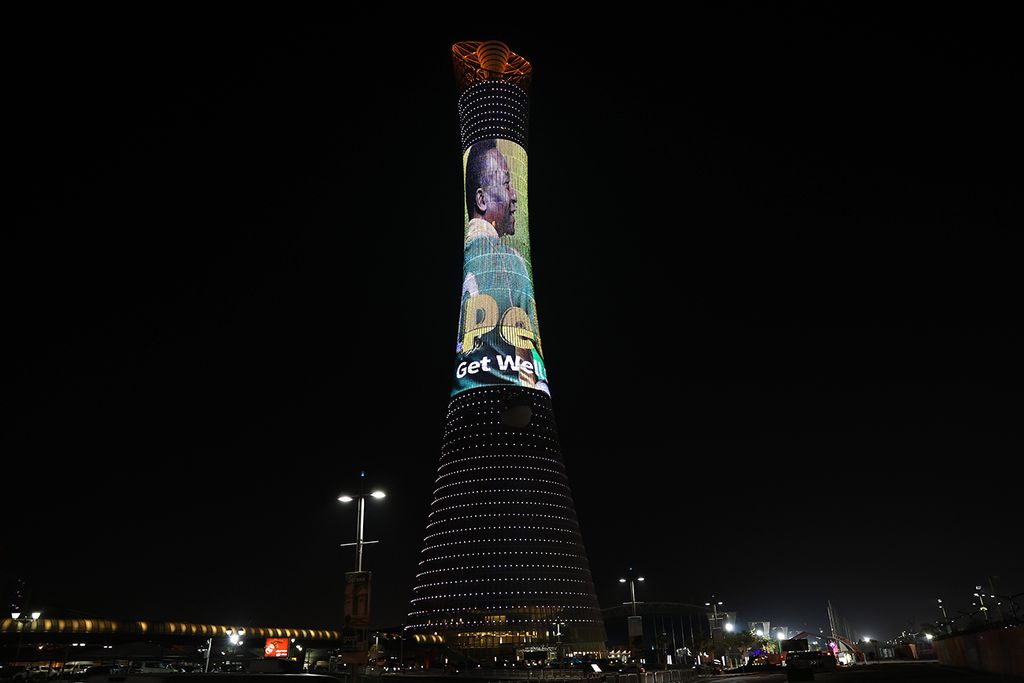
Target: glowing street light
(632, 577)
(714, 610)
(360, 516)
(981, 599)
(24, 622)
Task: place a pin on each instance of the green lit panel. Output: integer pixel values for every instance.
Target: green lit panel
(499, 335)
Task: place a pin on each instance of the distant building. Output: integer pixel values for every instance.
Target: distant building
(765, 628)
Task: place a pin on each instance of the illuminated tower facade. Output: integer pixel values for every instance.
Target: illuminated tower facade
(503, 567)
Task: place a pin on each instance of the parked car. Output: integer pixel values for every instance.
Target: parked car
(152, 668)
(36, 673)
(712, 669)
(73, 671)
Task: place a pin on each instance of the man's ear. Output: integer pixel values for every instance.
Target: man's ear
(481, 200)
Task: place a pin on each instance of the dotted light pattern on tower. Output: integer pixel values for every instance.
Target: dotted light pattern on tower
(503, 560)
(493, 109)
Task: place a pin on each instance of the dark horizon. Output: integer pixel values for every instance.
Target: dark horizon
(775, 271)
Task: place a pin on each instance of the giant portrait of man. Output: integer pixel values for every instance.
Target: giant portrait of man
(499, 339)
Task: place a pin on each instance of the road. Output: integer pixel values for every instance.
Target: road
(921, 672)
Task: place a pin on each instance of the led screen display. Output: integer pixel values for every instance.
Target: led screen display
(499, 338)
(276, 647)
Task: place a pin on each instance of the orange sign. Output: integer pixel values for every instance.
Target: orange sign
(276, 647)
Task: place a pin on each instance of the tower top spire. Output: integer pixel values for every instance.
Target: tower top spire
(489, 60)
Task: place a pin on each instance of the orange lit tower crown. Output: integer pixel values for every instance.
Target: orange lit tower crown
(503, 569)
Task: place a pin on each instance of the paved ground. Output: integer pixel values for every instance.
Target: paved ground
(919, 672)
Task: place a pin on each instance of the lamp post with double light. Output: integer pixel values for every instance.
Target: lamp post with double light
(714, 609)
(945, 617)
(360, 499)
(634, 623)
(632, 577)
(981, 598)
(23, 622)
(558, 647)
(357, 583)
(234, 641)
(716, 638)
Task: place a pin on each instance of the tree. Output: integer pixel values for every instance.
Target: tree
(738, 643)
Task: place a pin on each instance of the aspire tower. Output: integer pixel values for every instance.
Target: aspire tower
(503, 567)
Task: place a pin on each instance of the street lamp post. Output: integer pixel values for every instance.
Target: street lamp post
(360, 516)
(558, 634)
(945, 617)
(23, 624)
(635, 631)
(234, 640)
(729, 628)
(714, 609)
(632, 577)
(981, 599)
(716, 625)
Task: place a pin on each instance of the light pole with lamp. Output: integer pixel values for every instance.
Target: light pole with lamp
(234, 640)
(715, 624)
(357, 583)
(360, 516)
(714, 609)
(981, 599)
(729, 628)
(23, 623)
(558, 634)
(632, 577)
(635, 624)
(945, 617)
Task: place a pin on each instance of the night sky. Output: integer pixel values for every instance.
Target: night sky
(777, 263)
